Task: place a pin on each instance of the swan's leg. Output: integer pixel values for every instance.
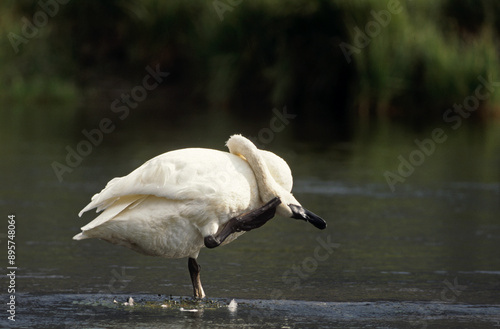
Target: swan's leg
(246, 222)
(194, 271)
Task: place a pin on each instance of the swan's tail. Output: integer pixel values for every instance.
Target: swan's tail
(81, 236)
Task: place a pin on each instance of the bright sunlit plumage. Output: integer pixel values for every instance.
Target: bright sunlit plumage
(170, 204)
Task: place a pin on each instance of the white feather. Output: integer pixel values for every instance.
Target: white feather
(166, 206)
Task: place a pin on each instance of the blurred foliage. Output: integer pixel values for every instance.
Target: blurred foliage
(252, 55)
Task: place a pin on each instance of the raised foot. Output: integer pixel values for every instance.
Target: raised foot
(246, 222)
(211, 242)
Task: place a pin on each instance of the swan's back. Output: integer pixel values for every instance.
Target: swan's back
(184, 174)
(166, 206)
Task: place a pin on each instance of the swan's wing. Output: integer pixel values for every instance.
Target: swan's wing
(178, 175)
(114, 209)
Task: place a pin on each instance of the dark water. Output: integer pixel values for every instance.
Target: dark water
(423, 255)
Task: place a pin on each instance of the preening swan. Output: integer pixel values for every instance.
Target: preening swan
(180, 201)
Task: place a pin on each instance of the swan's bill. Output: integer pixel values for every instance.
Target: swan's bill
(302, 213)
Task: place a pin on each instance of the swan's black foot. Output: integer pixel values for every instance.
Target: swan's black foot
(246, 222)
(211, 242)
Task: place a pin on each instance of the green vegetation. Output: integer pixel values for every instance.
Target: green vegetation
(415, 63)
(425, 60)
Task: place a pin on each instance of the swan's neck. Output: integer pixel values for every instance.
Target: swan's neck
(268, 188)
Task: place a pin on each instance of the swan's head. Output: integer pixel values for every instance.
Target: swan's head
(274, 178)
(289, 207)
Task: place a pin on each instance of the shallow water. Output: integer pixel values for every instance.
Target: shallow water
(425, 255)
(100, 311)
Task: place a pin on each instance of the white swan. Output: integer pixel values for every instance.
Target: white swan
(180, 201)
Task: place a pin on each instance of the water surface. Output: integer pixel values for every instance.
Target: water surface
(425, 254)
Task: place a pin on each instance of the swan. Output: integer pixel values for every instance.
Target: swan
(180, 201)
